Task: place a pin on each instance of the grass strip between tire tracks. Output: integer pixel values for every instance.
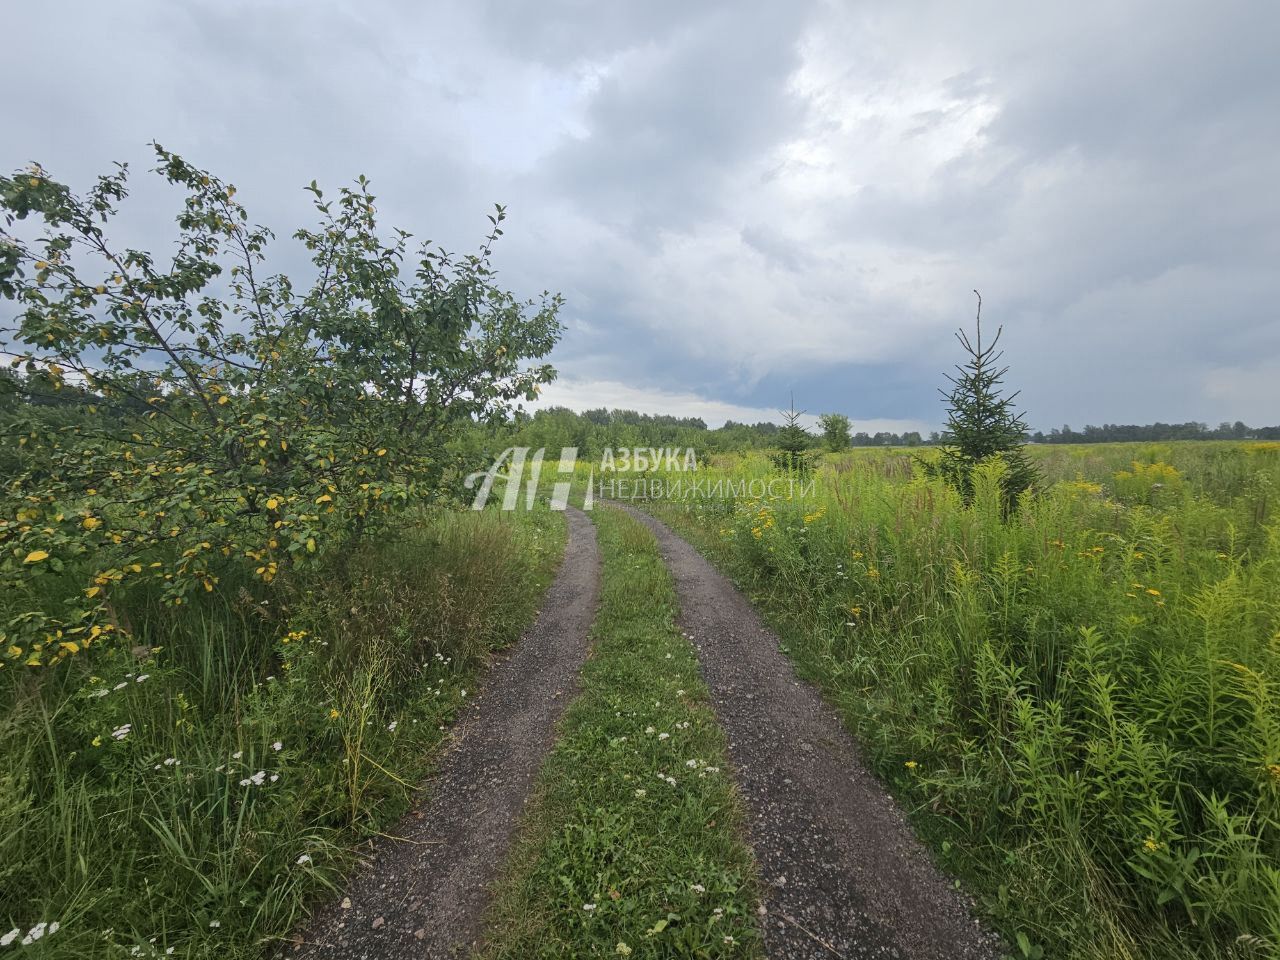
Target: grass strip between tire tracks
(633, 842)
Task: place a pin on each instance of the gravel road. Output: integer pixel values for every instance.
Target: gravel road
(424, 897)
(844, 874)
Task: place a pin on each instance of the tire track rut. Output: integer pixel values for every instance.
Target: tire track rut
(843, 872)
(425, 896)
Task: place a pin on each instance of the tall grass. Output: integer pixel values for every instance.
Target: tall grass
(193, 792)
(1079, 704)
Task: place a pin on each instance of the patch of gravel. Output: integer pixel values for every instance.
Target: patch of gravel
(425, 895)
(844, 874)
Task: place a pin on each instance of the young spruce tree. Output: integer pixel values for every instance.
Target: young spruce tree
(793, 442)
(981, 422)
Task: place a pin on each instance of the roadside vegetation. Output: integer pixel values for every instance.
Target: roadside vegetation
(1077, 702)
(634, 843)
(237, 610)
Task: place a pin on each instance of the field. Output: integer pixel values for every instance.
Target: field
(1079, 703)
(246, 614)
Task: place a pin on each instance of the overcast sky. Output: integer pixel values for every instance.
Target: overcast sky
(744, 199)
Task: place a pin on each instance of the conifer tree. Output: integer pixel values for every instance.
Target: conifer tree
(793, 441)
(981, 422)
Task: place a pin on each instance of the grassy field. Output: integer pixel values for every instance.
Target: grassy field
(633, 844)
(192, 794)
(1078, 704)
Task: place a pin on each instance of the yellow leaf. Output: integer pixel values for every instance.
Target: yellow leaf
(382, 452)
(93, 592)
(70, 646)
(311, 544)
(223, 399)
(35, 556)
(91, 523)
(324, 498)
(272, 503)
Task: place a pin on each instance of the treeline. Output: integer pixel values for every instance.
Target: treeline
(591, 431)
(1132, 432)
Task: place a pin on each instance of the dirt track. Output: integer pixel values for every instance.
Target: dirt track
(424, 897)
(844, 875)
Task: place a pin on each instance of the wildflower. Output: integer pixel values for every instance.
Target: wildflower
(729, 940)
(215, 924)
(698, 888)
(172, 762)
(97, 741)
(1274, 770)
(1153, 591)
(392, 726)
(305, 858)
(911, 764)
(622, 949)
(119, 733)
(120, 686)
(642, 792)
(142, 678)
(1152, 845)
(588, 907)
(277, 746)
(9, 937)
(237, 755)
(691, 764)
(664, 736)
(334, 714)
(650, 730)
(38, 931)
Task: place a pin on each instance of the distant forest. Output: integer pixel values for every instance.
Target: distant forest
(593, 430)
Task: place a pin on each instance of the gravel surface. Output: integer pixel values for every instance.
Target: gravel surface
(424, 897)
(844, 874)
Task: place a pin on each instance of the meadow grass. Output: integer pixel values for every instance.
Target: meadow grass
(192, 794)
(1079, 705)
(633, 844)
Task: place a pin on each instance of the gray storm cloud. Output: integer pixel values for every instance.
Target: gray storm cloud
(743, 198)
